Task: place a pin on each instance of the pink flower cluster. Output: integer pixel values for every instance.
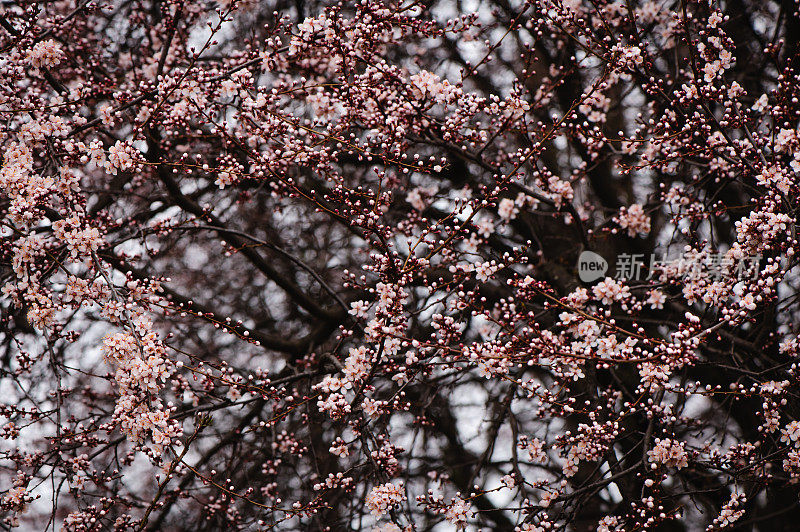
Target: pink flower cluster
(634, 220)
(45, 54)
(668, 452)
(384, 497)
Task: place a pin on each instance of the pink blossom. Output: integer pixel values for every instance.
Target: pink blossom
(384, 497)
(45, 54)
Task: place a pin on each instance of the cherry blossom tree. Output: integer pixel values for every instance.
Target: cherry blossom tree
(273, 265)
